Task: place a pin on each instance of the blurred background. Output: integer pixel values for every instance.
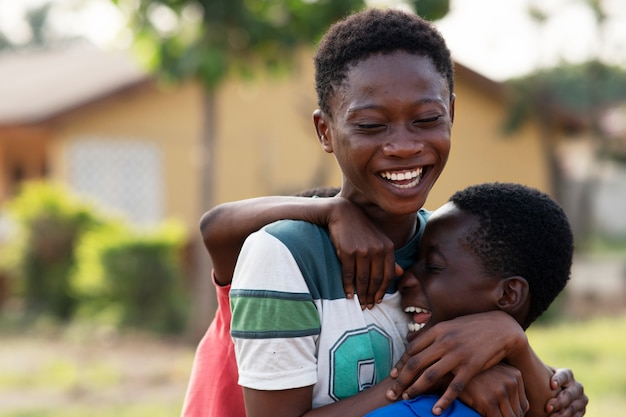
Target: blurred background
(122, 121)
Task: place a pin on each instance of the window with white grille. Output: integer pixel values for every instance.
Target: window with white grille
(123, 175)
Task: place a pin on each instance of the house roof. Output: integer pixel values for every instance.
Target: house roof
(40, 85)
(36, 86)
(464, 73)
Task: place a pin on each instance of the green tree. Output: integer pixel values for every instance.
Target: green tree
(209, 40)
(574, 97)
(51, 223)
(570, 95)
(42, 34)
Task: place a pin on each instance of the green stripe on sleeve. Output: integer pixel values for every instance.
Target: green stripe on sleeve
(272, 314)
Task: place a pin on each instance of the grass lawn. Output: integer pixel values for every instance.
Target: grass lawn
(84, 372)
(596, 351)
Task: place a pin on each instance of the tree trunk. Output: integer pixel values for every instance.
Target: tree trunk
(556, 177)
(204, 302)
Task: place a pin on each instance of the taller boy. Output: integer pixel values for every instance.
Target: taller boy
(384, 80)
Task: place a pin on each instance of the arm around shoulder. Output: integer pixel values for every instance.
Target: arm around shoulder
(225, 227)
(536, 377)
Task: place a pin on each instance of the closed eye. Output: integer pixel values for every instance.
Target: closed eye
(370, 125)
(428, 120)
(432, 268)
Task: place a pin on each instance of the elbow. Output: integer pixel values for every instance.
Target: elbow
(207, 223)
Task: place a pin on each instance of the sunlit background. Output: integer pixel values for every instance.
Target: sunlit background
(120, 125)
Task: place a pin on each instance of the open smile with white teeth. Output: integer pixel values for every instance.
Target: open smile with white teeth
(420, 317)
(403, 179)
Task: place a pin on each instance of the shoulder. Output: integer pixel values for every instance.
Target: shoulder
(300, 236)
(312, 250)
(299, 228)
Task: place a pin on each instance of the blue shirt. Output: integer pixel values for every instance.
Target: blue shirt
(422, 406)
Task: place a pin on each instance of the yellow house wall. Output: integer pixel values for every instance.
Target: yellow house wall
(266, 138)
(481, 152)
(267, 143)
(170, 118)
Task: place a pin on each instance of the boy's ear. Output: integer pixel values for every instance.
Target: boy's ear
(452, 103)
(514, 296)
(322, 128)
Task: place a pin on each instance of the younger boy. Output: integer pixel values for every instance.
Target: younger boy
(494, 246)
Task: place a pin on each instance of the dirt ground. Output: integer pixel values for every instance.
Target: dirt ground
(47, 368)
(87, 368)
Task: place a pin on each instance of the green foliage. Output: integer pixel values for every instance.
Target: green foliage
(132, 278)
(431, 9)
(580, 90)
(209, 39)
(68, 259)
(51, 222)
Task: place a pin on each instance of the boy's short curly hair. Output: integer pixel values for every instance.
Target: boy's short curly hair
(521, 231)
(375, 31)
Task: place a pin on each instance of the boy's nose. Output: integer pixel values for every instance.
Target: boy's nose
(408, 281)
(403, 144)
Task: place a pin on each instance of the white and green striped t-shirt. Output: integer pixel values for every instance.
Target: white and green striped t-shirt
(292, 325)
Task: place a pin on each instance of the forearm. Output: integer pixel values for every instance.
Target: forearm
(357, 405)
(536, 376)
(225, 227)
(297, 403)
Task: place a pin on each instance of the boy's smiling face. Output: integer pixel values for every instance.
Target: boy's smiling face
(448, 279)
(389, 131)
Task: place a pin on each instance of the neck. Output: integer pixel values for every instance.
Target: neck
(399, 229)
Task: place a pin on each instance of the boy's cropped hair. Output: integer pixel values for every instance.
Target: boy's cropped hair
(375, 31)
(521, 231)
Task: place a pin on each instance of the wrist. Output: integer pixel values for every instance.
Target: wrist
(515, 343)
(519, 350)
(319, 211)
(335, 210)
